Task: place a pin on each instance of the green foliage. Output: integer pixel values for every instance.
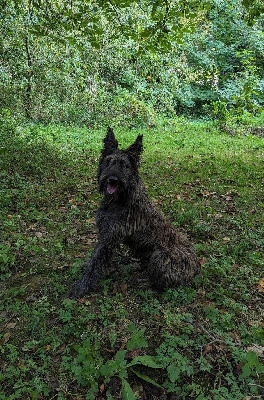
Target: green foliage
(221, 111)
(89, 63)
(137, 339)
(247, 99)
(252, 365)
(89, 367)
(6, 261)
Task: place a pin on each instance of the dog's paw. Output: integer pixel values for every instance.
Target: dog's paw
(78, 290)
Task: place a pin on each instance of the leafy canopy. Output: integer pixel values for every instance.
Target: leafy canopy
(149, 23)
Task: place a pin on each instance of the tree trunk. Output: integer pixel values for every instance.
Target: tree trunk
(29, 80)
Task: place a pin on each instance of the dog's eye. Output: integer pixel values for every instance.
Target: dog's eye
(125, 165)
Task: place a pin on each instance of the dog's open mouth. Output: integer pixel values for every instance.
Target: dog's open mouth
(111, 188)
(112, 185)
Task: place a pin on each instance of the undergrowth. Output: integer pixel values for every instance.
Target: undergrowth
(126, 341)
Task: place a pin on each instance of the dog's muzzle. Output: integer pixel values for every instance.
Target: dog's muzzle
(112, 184)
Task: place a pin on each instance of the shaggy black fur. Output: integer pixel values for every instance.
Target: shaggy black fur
(127, 215)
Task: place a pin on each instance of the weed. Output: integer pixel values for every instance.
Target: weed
(89, 368)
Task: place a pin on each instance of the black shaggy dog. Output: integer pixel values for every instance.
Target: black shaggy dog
(127, 215)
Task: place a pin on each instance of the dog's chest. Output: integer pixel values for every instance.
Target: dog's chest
(111, 214)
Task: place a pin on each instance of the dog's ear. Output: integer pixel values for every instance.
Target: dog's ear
(136, 148)
(110, 143)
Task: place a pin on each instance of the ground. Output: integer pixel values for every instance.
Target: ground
(126, 340)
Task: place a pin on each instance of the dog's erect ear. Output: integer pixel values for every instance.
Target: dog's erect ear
(136, 148)
(110, 143)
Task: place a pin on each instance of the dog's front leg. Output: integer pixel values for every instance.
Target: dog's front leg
(94, 270)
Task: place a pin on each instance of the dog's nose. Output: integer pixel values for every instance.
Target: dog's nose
(112, 179)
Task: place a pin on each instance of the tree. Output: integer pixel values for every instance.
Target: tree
(83, 60)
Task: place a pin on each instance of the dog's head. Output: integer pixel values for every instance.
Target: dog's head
(118, 169)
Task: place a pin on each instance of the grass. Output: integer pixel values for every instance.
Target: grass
(125, 340)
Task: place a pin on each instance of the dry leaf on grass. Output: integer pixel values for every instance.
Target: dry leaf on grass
(261, 285)
(5, 338)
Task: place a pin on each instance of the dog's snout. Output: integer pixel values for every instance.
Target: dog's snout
(112, 179)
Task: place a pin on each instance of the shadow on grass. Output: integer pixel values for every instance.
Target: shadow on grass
(30, 155)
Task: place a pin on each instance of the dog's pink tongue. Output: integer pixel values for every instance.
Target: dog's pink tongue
(111, 188)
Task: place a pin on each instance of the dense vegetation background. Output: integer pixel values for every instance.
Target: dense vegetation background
(94, 61)
(189, 76)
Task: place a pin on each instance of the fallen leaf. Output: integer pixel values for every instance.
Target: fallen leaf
(123, 345)
(21, 365)
(261, 285)
(235, 336)
(123, 288)
(223, 346)
(203, 261)
(90, 220)
(102, 388)
(72, 201)
(207, 349)
(108, 350)
(204, 193)
(240, 365)
(11, 325)
(218, 215)
(131, 354)
(31, 299)
(226, 197)
(5, 338)
(61, 348)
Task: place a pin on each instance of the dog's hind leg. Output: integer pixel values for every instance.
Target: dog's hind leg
(166, 270)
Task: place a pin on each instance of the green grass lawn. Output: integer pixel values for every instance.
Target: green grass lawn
(126, 341)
